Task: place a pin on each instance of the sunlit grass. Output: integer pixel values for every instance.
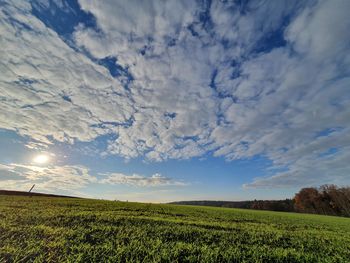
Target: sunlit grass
(80, 230)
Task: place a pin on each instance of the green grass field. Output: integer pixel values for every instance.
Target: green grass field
(41, 229)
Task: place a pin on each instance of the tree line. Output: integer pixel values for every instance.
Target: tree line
(325, 200)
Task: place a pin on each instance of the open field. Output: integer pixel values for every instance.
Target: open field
(45, 229)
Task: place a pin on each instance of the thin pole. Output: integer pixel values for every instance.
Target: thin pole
(30, 195)
(31, 188)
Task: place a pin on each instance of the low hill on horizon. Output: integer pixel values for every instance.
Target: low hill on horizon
(23, 193)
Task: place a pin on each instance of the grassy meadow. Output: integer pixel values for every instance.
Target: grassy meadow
(41, 229)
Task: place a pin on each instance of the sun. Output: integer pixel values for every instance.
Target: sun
(41, 159)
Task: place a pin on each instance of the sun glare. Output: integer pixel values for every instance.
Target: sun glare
(41, 159)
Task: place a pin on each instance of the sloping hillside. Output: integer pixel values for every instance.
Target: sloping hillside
(22, 193)
(45, 229)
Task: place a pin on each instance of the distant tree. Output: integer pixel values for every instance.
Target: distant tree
(307, 200)
(338, 198)
(327, 200)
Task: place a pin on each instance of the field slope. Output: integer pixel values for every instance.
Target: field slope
(45, 229)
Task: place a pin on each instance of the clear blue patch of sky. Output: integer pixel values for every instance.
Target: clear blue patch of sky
(63, 20)
(328, 132)
(12, 147)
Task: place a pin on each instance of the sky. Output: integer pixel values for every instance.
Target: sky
(159, 101)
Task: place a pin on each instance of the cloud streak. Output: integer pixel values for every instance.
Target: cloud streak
(154, 180)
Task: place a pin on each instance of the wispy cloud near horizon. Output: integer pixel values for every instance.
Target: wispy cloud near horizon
(51, 178)
(70, 178)
(154, 180)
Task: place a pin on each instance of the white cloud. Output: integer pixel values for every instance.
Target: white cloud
(272, 102)
(47, 88)
(36, 145)
(322, 31)
(71, 178)
(308, 170)
(5, 167)
(140, 180)
(308, 95)
(47, 179)
(126, 26)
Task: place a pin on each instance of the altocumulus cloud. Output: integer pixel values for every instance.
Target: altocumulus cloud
(264, 78)
(140, 180)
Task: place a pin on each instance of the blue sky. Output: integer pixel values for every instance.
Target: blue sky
(159, 101)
